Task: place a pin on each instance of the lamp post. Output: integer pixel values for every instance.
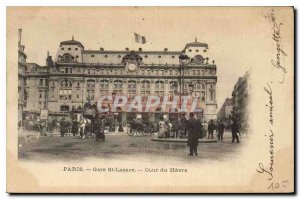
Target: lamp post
(183, 60)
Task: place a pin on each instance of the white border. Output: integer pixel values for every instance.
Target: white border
(5, 3)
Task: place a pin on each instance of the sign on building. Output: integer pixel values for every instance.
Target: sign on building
(44, 114)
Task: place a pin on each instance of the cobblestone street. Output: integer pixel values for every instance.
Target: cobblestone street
(122, 146)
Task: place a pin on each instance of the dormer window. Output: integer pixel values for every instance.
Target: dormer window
(197, 50)
(190, 50)
(105, 56)
(204, 50)
(92, 55)
(76, 48)
(146, 56)
(69, 48)
(173, 56)
(159, 56)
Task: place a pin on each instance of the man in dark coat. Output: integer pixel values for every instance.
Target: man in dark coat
(176, 127)
(193, 135)
(221, 128)
(211, 128)
(199, 128)
(235, 131)
(74, 127)
(63, 126)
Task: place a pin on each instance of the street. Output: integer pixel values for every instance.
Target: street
(122, 146)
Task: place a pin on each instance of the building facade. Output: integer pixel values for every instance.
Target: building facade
(226, 110)
(21, 77)
(77, 75)
(240, 97)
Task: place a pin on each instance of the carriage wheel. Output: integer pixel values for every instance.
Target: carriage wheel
(44, 131)
(130, 131)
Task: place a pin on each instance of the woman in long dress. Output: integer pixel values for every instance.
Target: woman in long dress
(162, 129)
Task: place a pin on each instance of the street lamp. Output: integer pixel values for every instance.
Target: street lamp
(183, 60)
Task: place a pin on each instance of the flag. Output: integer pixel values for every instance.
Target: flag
(139, 39)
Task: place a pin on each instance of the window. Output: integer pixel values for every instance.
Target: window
(202, 96)
(162, 72)
(190, 50)
(65, 90)
(90, 90)
(159, 56)
(69, 48)
(105, 56)
(104, 87)
(146, 56)
(92, 55)
(173, 85)
(103, 84)
(131, 89)
(40, 94)
(76, 48)
(41, 82)
(159, 85)
(171, 72)
(145, 85)
(118, 84)
(156, 72)
(197, 50)
(62, 48)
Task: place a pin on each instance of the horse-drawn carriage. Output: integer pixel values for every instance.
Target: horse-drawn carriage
(139, 128)
(90, 122)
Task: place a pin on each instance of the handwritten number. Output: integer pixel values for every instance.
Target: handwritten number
(277, 185)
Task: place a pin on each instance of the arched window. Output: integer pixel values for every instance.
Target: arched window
(65, 90)
(104, 87)
(118, 84)
(145, 89)
(159, 88)
(131, 89)
(90, 90)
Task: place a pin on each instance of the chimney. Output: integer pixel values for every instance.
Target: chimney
(20, 36)
(102, 49)
(49, 61)
(166, 49)
(140, 49)
(127, 49)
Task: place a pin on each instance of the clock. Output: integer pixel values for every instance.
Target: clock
(131, 66)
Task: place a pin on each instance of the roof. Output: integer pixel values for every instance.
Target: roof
(196, 44)
(71, 42)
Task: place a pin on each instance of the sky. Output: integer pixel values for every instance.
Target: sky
(231, 36)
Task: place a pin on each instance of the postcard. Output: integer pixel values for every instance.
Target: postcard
(150, 100)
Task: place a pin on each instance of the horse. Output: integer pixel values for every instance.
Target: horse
(82, 124)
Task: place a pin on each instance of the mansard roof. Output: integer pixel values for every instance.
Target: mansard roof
(71, 42)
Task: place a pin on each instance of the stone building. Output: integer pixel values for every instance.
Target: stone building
(21, 77)
(240, 97)
(77, 75)
(226, 110)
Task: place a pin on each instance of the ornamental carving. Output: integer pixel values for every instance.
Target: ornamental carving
(198, 59)
(66, 58)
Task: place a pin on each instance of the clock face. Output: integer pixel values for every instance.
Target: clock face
(131, 66)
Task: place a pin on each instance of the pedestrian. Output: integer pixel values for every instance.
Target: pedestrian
(221, 128)
(176, 127)
(199, 128)
(168, 127)
(210, 129)
(193, 135)
(62, 127)
(235, 131)
(74, 127)
(162, 130)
